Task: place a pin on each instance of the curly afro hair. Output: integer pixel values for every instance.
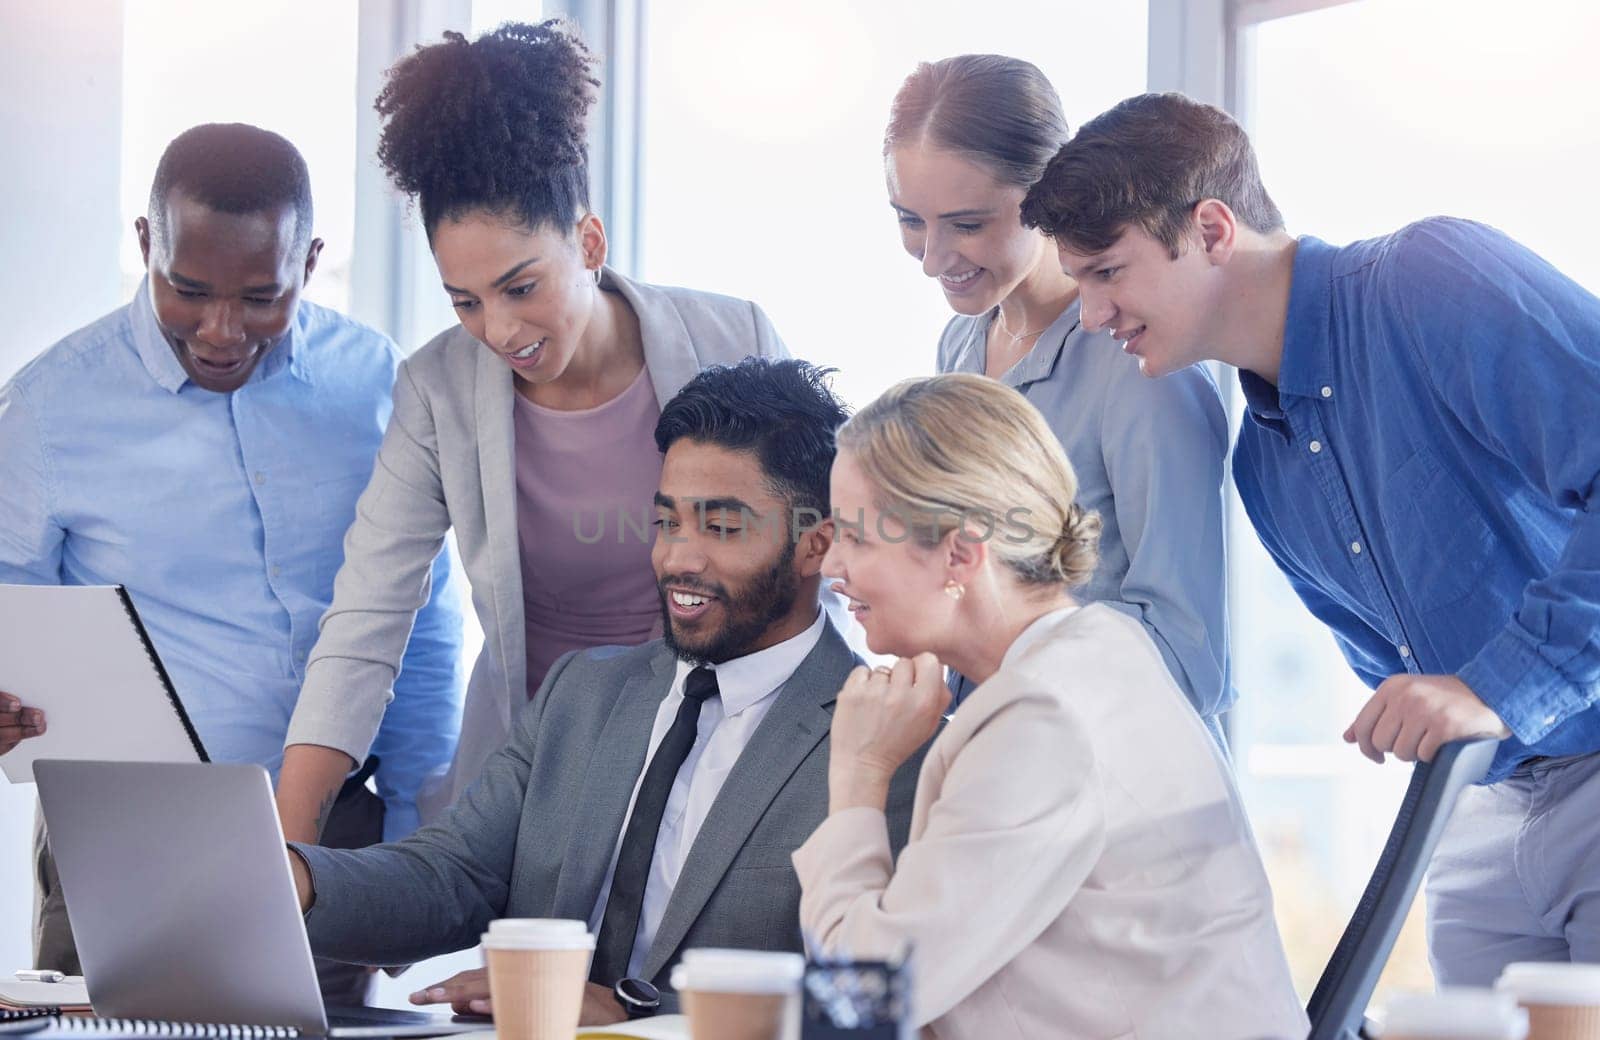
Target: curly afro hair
(497, 124)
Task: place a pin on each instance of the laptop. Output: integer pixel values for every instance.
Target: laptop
(177, 882)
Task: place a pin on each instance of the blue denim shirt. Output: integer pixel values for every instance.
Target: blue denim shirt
(1427, 471)
(223, 515)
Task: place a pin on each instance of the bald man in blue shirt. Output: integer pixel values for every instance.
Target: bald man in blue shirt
(205, 446)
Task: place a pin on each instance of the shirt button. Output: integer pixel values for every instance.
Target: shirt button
(1355, 547)
(1549, 720)
(276, 570)
(1405, 651)
(261, 478)
(1327, 391)
(1315, 446)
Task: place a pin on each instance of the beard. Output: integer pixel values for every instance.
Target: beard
(747, 611)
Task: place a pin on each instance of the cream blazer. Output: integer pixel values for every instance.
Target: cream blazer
(1079, 863)
(447, 463)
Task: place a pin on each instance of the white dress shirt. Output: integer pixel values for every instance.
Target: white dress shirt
(746, 689)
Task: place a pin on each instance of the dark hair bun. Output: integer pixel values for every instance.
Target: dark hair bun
(495, 123)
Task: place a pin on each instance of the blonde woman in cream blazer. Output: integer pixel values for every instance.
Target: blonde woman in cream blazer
(447, 464)
(1079, 862)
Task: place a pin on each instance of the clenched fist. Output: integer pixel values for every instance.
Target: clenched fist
(882, 717)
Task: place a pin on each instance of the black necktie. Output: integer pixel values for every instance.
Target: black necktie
(620, 925)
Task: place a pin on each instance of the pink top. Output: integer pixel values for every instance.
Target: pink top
(585, 483)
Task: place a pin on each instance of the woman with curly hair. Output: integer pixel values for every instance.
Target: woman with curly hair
(1079, 862)
(528, 429)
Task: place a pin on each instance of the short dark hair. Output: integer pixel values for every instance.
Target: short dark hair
(496, 124)
(1000, 112)
(233, 168)
(780, 410)
(1147, 163)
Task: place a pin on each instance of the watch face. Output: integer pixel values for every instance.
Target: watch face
(638, 992)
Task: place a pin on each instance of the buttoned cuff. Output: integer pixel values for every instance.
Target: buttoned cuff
(1529, 694)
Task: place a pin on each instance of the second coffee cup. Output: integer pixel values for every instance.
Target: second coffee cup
(740, 994)
(1563, 1000)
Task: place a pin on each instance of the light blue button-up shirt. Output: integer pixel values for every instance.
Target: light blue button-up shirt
(223, 515)
(1149, 455)
(1427, 470)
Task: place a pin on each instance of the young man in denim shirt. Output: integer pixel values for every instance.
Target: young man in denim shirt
(1420, 455)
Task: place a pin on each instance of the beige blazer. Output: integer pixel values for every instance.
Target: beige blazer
(447, 463)
(1079, 862)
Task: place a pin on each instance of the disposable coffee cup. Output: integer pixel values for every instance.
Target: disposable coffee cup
(1563, 1000)
(537, 968)
(740, 994)
(1455, 1014)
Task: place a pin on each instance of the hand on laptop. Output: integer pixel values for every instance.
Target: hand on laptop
(17, 722)
(467, 993)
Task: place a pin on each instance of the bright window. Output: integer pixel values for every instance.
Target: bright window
(1368, 116)
(288, 67)
(763, 139)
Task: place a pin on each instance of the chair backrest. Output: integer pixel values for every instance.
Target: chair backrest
(1338, 1006)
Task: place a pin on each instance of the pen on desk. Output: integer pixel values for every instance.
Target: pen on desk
(46, 975)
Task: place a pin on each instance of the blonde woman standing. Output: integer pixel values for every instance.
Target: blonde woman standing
(967, 137)
(1079, 861)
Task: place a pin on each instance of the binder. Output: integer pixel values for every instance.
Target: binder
(82, 655)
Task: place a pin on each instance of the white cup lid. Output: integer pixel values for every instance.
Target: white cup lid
(1552, 982)
(739, 971)
(538, 933)
(1456, 1013)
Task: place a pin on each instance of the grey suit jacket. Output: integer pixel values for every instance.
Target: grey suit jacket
(447, 463)
(534, 835)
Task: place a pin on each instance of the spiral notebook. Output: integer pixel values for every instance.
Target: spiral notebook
(44, 1026)
(81, 654)
(119, 1028)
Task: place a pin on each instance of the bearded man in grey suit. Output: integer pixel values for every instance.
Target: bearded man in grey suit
(657, 791)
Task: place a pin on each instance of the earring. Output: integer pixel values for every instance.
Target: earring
(597, 277)
(953, 590)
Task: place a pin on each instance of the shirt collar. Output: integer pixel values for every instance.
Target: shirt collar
(1307, 362)
(747, 680)
(154, 351)
(1038, 363)
(162, 363)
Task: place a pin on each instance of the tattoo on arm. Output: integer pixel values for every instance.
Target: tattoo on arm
(327, 807)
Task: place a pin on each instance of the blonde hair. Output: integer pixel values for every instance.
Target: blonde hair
(946, 449)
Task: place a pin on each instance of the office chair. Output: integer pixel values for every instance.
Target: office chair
(1337, 1008)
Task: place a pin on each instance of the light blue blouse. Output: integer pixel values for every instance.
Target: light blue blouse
(1149, 456)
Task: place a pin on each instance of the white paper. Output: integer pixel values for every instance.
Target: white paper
(73, 652)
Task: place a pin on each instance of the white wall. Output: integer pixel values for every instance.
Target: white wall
(60, 121)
